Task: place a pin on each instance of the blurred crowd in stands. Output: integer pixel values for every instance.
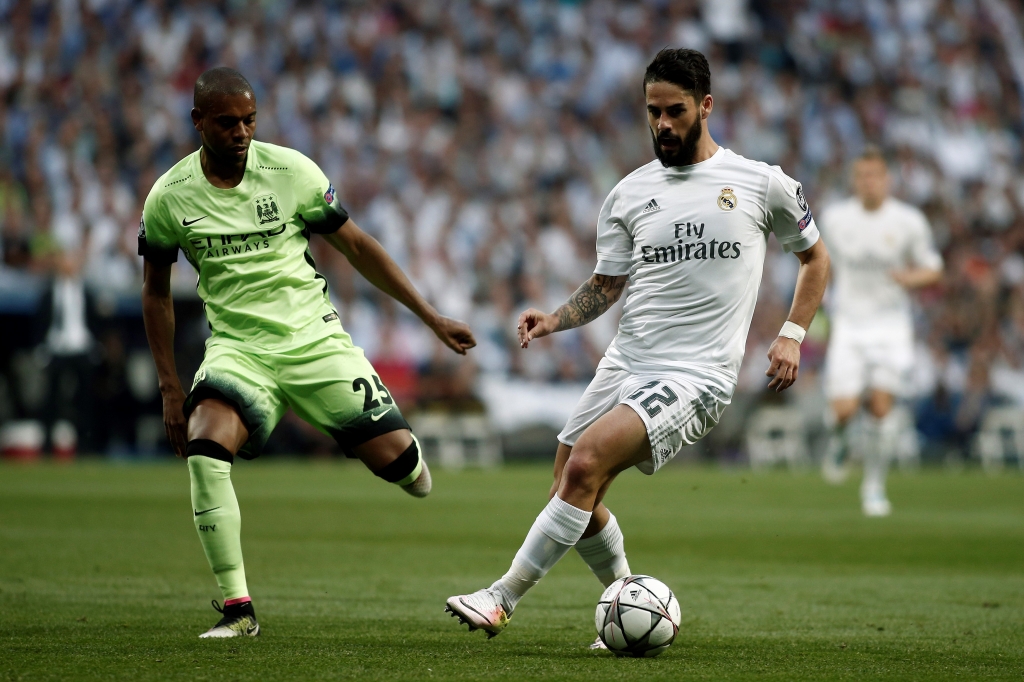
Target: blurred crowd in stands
(477, 139)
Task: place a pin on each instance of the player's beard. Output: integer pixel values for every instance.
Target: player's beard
(687, 150)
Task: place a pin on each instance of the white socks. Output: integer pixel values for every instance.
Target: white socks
(605, 553)
(880, 441)
(838, 447)
(557, 528)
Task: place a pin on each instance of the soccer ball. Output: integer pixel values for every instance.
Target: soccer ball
(637, 616)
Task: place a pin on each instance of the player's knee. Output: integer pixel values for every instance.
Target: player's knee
(879, 405)
(583, 470)
(843, 411)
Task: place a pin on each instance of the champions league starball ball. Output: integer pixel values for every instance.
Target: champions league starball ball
(637, 616)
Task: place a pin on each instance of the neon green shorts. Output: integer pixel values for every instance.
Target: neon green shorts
(329, 383)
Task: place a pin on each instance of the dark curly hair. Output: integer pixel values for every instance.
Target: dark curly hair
(686, 68)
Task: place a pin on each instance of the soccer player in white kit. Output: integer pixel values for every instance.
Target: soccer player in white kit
(689, 231)
(881, 248)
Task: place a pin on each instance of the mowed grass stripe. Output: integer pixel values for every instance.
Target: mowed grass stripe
(779, 576)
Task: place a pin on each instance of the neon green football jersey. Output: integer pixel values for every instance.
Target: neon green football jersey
(250, 245)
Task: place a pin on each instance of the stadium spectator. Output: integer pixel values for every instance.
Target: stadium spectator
(475, 139)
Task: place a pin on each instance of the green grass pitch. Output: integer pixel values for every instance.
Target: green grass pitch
(778, 575)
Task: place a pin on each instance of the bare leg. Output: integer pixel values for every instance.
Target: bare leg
(216, 420)
(880, 403)
(601, 546)
(612, 444)
(378, 452)
(601, 514)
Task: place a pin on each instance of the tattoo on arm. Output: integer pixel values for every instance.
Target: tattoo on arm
(590, 301)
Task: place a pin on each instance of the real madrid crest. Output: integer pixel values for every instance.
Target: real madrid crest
(727, 199)
(268, 209)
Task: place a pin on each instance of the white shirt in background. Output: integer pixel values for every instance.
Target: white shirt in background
(866, 247)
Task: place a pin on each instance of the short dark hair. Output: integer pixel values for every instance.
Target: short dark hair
(219, 81)
(872, 152)
(686, 68)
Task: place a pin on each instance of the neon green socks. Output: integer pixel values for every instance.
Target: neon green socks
(219, 524)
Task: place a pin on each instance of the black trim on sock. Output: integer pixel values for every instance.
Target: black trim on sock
(211, 449)
(402, 466)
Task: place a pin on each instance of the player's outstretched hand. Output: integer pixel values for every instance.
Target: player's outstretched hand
(174, 420)
(784, 356)
(456, 335)
(534, 324)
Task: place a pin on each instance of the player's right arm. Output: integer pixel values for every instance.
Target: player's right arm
(601, 291)
(591, 300)
(158, 316)
(158, 245)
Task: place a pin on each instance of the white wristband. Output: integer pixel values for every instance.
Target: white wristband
(791, 330)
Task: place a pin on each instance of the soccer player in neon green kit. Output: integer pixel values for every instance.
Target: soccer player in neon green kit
(243, 213)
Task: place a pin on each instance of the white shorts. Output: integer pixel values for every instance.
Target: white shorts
(676, 410)
(876, 361)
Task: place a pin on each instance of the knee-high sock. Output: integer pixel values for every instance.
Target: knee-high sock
(880, 442)
(605, 553)
(219, 524)
(555, 531)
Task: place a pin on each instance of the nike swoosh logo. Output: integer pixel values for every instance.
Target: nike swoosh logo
(186, 223)
(378, 417)
(205, 511)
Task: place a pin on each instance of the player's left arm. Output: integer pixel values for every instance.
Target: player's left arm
(321, 211)
(789, 218)
(371, 260)
(784, 353)
(924, 260)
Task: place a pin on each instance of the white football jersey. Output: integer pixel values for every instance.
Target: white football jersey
(866, 246)
(692, 240)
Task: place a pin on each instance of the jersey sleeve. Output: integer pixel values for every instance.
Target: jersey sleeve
(923, 253)
(788, 214)
(614, 242)
(318, 202)
(158, 241)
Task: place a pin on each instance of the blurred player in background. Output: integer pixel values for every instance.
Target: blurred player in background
(690, 231)
(881, 249)
(243, 213)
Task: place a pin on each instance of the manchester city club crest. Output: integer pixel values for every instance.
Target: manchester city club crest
(268, 209)
(727, 199)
